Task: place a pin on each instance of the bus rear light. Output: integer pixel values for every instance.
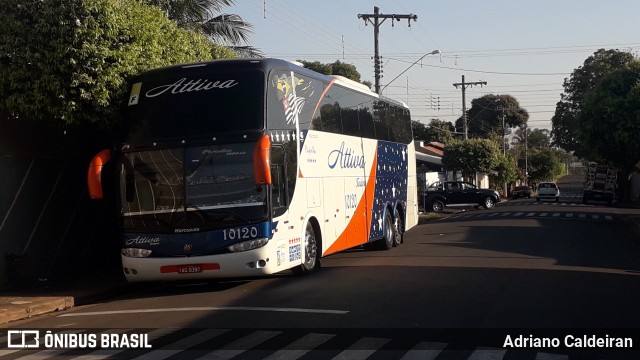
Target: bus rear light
(261, 168)
(248, 245)
(94, 175)
(135, 252)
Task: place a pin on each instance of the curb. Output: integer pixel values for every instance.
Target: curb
(19, 308)
(14, 308)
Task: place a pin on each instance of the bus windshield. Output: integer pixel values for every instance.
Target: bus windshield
(193, 104)
(190, 189)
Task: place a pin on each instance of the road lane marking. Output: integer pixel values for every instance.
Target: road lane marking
(485, 353)
(231, 350)
(300, 347)
(556, 214)
(184, 343)
(361, 349)
(211, 308)
(424, 351)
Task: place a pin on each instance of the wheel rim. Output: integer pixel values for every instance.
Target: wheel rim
(310, 247)
(437, 206)
(489, 203)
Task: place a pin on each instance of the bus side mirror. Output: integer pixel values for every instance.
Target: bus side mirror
(261, 167)
(94, 175)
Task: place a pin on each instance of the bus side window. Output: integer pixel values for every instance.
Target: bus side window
(365, 118)
(278, 178)
(401, 126)
(380, 110)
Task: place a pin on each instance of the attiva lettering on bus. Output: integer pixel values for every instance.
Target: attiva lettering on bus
(143, 240)
(192, 85)
(345, 158)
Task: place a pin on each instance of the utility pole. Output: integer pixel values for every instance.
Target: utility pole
(526, 155)
(376, 16)
(464, 86)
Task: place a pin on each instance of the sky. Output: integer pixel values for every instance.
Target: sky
(521, 48)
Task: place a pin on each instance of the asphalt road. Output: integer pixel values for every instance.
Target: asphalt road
(455, 286)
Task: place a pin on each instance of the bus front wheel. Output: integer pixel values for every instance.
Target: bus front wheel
(311, 259)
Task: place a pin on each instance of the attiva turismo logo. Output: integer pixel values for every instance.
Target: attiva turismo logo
(345, 158)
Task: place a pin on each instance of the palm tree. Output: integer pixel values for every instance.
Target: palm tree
(206, 17)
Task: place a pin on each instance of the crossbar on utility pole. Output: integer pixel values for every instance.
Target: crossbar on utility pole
(464, 86)
(376, 16)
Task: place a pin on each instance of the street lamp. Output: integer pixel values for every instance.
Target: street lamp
(434, 52)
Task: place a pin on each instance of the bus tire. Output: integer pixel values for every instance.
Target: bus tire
(311, 244)
(386, 242)
(398, 227)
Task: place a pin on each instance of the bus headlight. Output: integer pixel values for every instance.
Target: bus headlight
(248, 245)
(135, 252)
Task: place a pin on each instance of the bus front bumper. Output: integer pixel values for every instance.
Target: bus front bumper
(244, 264)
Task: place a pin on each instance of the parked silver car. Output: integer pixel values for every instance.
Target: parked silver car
(548, 190)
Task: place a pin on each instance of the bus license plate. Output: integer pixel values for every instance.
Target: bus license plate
(189, 269)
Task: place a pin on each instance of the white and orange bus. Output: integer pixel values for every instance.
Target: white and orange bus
(236, 168)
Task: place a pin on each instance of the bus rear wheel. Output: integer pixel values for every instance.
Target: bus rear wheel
(311, 256)
(387, 241)
(398, 227)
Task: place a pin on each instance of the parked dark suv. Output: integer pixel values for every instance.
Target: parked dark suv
(459, 193)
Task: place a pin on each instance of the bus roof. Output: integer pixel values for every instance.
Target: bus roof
(268, 63)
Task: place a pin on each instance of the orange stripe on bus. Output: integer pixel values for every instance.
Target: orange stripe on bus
(358, 224)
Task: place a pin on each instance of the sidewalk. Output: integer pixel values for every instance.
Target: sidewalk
(47, 297)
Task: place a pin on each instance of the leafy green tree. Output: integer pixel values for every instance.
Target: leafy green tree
(504, 172)
(337, 68)
(544, 165)
(471, 156)
(485, 117)
(420, 131)
(610, 119)
(535, 138)
(437, 130)
(441, 131)
(206, 17)
(567, 118)
(67, 62)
